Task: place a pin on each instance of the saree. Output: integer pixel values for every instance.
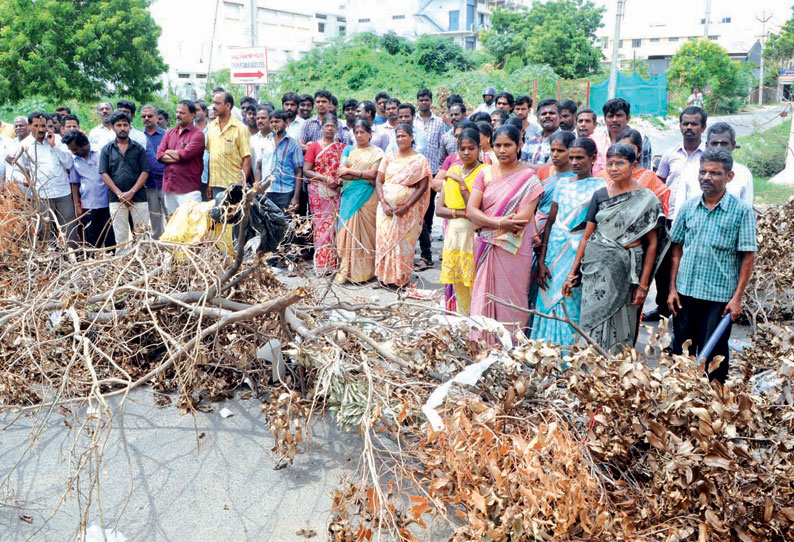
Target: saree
(648, 179)
(572, 198)
(504, 260)
(324, 204)
(548, 182)
(610, 272)
(396, 236)
(355, 236)
(457, 258)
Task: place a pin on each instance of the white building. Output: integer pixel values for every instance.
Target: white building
(459, 20)
(654, 35)
(196, 41)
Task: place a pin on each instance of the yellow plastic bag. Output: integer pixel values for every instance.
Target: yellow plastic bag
(191, 225)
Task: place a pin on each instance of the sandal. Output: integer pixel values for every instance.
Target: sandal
(422, 265)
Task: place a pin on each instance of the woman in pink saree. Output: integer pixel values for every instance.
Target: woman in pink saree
(402, 188)
(502, 204)
(321, 162)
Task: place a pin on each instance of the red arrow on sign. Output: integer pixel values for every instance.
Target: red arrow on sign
(256, 74)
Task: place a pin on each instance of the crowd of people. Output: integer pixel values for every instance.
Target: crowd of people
(550, 208)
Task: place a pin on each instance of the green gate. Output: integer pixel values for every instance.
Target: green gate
(646, 97)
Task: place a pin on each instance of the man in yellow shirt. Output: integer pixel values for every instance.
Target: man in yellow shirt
(228, 145)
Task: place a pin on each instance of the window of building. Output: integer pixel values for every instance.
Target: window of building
(201, 76)
(321, 15)
(363, 20)
(725, 20)
(342, 29)
(673, 39)
(471, 9)
(469, 43)
(341, 19)
(232, 10)
(604, 42)
(480, 19)
(321, 27)
(713, 38)
(396, 17)
(183, 75)
(636, 43)
(622, 44)
(703, 21)
(454, 20)
(654, 40)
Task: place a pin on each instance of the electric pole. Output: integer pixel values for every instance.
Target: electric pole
(254, 38)
(706, 20)
(613, 69)
(763, 20)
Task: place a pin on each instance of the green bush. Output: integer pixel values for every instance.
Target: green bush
(765, 152)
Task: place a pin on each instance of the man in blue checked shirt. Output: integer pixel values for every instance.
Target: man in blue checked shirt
(89, 191)
(285, 164)
(713, 254)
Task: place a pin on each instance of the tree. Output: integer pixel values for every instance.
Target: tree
(440, 55)
(70, 49)
(560, 33)
(705, 64)
(780, 47)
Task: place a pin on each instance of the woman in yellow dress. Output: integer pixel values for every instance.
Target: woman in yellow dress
(457, 261)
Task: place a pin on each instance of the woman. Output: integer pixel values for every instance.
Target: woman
(457, 261)
(402, 187)
(453, 159)
(322, 161)
(355, 236)
(644, 177)
(561, 235)
(502, 204)
(550, 174)
(486, 137)
(617, 254)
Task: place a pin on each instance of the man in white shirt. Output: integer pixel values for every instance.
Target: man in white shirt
(101, 135)
(13, 173)
(722, 136)
(48, 168)
(262, 145)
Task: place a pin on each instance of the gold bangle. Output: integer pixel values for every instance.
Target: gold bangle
(643, 288)
(571, 277)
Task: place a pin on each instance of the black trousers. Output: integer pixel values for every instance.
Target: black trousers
(97, 228)
(696, 320)
(425, 238)
(662, 278)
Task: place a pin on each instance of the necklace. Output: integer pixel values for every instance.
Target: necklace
(464, 173)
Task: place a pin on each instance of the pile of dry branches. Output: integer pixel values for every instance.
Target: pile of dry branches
(541, 447)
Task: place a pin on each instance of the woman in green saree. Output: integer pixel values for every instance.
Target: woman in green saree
(617, 254)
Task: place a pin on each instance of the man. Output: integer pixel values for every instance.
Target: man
(125, 168)
(537, 149)
(722, 136)
(13, 152)
(57, 124)
(713, 250)
(63, 110)
(245, 101)
(488, 105)
(389, 128)
(522, 108)
(249, 115)
(182, 152)
(567, 115)
(305, 106)
(696, 98)
(677, 166)
(313, 129)
(47, 166)
(498, 118)
(101, 135)
(236, 112)
(289, 103)
(128, 107)
(89, 191)
(155, 201)
(229, 146)
(261, 142)
(457, 113)
(366, 110)
(505, 102)
(285, 165)
(380, 107)
(163, 119)
(349, 112)
(587, 126)
(617, 115)
(201, 121)
(71, 122)
(334, 108)
(432, 129)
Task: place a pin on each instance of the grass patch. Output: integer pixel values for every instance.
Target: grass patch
(770, 194)
(764, 152)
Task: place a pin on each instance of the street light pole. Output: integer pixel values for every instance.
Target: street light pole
(763, 20)
(254, 38)
(613, 69)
